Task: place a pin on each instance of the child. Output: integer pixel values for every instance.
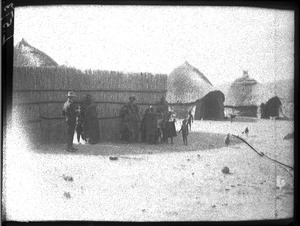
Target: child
(185, 131)
(79, 124)
(190, 119)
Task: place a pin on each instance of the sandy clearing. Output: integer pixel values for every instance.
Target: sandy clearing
(173, 183)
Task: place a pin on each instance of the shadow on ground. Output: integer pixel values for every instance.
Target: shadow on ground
(196, 141)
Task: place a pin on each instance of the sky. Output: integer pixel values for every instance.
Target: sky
(220, 41)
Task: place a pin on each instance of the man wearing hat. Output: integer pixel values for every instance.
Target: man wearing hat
(69, 112)
(162, 108)
(133, 119)
(151, 126)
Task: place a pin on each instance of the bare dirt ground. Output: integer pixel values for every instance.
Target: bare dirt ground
(155, 182)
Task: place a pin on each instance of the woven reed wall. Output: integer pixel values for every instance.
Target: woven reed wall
(39, 95)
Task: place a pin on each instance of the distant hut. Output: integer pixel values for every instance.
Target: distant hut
(211, 106)
(186, 84)
(245, 95)
(26, 55)
(272, 108)
(282, 101)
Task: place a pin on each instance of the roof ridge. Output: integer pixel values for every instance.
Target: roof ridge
(198, 72)
(36, 51)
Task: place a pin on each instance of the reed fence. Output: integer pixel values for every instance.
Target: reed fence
(39, 95)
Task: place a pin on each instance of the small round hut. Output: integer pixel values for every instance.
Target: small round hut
(272, 108)
(245, 95)
(282, 101)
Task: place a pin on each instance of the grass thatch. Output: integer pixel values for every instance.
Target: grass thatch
(246, 91)
(27, 55)
(186, 84)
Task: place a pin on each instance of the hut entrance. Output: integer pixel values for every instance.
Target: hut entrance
(211, 106)
(271, 108)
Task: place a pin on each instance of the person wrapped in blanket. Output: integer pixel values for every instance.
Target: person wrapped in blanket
(130, 119)
(91, 130)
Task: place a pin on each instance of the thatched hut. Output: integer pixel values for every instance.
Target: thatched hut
(211, 106)
(26, 55)
(245, 95)
(282, 101)
(186, 84)
(272, 108)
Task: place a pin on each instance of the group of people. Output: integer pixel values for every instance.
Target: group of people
(148, 131)
(81, 118)
(156, 124)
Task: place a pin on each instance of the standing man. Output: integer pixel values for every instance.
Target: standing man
(144, 126)
(162, 109)
(124, 124)
(69, 112)
(151, 127)
(162, 106)
(133, 118)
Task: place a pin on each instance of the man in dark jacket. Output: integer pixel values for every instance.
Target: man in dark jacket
(133, 119)
(69, 112)
(144, 125)
(151, 126)
(162, 107)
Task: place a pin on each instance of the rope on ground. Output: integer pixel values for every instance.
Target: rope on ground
(287, 171)
(261, 153)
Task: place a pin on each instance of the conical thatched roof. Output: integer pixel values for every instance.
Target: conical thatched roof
(28, 56)
(246, 91)
(187, 84)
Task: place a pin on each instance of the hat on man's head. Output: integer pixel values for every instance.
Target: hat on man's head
(71, 94)
(132, 98)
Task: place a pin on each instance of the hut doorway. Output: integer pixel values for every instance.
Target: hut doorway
(272, 108)
(211, 106)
